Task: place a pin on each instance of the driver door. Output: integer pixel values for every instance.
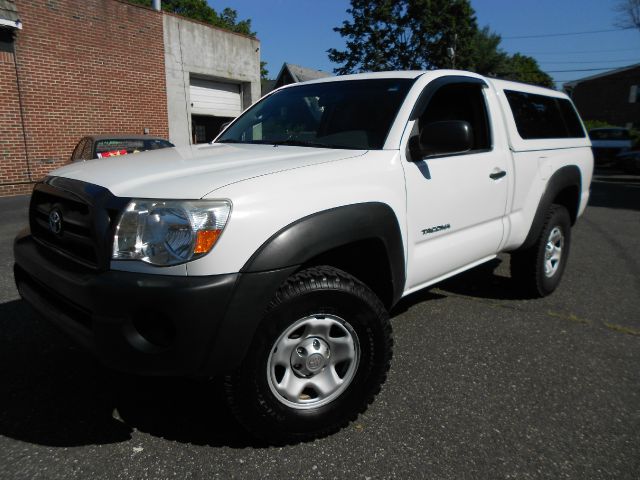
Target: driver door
(455, 202)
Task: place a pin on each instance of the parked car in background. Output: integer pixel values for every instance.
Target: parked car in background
(102, 146)
(608, 142)
(629, 162)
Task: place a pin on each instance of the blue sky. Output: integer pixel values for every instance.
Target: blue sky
(300, 32)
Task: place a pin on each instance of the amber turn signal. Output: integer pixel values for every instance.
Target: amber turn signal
(205, 240)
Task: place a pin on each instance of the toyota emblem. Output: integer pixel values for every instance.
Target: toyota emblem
(55, 221)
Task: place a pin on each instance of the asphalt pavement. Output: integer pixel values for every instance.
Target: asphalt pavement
(483, 384)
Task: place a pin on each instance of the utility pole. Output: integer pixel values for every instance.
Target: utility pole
(451, 51)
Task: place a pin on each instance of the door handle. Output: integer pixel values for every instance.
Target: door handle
(497, 175)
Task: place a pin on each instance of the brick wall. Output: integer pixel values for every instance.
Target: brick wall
(13, 166)
(607, 98)
(85, 67)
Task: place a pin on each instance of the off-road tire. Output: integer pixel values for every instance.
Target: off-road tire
(316, 290)
(528, 265)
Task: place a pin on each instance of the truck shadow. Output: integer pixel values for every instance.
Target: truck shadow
(481, 281)
(484, 282)
(56, 395)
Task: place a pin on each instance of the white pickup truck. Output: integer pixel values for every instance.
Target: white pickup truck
(273, 255)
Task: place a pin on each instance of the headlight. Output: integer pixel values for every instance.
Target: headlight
(169, 232)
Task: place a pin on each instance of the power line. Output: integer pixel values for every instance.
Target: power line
(589, 62)
(581, 70)
(582, 51)
(566, 34)
(558, 71)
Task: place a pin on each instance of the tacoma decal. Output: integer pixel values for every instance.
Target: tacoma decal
(435, 229)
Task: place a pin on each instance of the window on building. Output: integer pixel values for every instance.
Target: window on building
(6, 40)
(634, 94)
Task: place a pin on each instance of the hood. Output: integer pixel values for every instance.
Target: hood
(193, 172)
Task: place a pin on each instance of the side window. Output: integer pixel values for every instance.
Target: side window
(571, 119)
(78, 150)
(87, 150)
(461, 102)
(539, 116)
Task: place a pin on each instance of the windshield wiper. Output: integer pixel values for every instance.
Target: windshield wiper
(288, 142)
(299, 143)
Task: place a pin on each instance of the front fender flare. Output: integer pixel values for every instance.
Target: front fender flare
(321, 232)
(283, 253)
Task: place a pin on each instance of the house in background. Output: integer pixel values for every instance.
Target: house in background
(612, 97)
(290, 73)
(72, 68)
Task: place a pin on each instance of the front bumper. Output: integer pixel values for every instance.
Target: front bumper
(145, 323)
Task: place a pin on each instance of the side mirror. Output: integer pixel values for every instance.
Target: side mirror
(224, 126)
(441, 138)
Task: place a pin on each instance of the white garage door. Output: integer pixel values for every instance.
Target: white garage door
(215, 98)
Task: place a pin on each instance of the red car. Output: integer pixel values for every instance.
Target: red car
(101, 146)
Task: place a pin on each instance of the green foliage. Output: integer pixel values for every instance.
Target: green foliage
(405, 35)
(264, 73)
(491, 60)
(522, 68)
(415, 35)
(591, 124)
(200, 10)
(488, 58)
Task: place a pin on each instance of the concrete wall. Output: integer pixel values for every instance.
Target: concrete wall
(193, 48)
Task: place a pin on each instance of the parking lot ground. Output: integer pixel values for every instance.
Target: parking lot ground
(483, 384)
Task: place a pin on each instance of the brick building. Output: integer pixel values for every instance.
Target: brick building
(70, 68)
(612, 97)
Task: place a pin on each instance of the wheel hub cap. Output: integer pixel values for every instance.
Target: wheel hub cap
(553, 252)
(310, 356)
(313, 361)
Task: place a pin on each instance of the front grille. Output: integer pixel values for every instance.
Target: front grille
(75, 238)
(86, 213)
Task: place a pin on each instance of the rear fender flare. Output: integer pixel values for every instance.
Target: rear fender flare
(567, 176)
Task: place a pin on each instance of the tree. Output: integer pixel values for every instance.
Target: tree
(264, 73)
(629, 13)
(406, 35)
(523, 68)
(488, 58)
(492, 61)
(229, 19)
(418, 34)
(200, 10)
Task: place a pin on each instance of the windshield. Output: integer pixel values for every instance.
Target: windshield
(610, 134)
(355, 114)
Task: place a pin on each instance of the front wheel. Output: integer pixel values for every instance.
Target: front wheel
(318, 359)
(538, 269)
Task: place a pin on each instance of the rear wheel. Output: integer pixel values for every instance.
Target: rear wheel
(538, 269)
(318, 359)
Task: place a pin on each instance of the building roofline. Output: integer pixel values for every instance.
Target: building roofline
(193, 20)
(573, 83)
